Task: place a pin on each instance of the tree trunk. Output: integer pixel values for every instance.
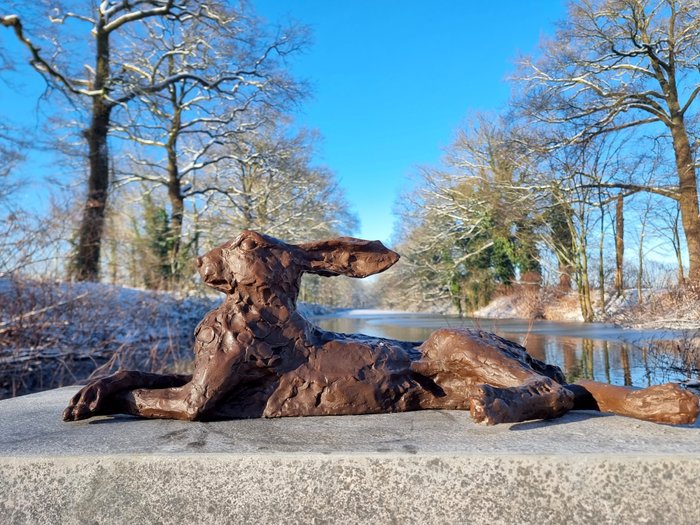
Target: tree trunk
(86, 264)
(177, 200)
(582, 283)
(113, 255)
(585, 292)
(560, 221)
(619, 243)
(177, 209)
(677, 249)
(640, 261)
(601, 267)
(688, 201)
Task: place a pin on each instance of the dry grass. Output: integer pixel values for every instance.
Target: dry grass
(57, 334)
(560, 306)
(674, 357)
(677, 307)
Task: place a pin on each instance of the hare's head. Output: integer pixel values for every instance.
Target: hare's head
(261, 268)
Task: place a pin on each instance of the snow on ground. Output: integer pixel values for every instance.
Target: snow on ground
(658, 309)
(52, 333)
(503, 307)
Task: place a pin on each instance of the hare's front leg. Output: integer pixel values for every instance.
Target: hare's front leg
(216, 374)
(103, 396)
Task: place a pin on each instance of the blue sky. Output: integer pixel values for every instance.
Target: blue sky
(392, 80)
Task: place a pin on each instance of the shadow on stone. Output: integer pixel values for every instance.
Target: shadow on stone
(571, 418)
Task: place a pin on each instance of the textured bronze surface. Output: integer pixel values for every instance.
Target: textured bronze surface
(256, 356)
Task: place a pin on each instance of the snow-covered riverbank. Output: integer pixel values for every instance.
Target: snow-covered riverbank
(657, 310)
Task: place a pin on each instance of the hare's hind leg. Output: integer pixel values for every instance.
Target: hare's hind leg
(496, 379)
(668, 403)
(478, 357)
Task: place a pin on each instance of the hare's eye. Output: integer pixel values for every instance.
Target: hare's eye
(248, 244)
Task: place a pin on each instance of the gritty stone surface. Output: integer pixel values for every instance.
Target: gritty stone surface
(420, 467)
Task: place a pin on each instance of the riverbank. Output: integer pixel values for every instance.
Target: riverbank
(673, 309)
(549, 305)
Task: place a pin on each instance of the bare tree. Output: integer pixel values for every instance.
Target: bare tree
(267, 182)
(10, 157)
(11, 217)
(472, 225)
(665, 222)
(191, 122)
(107, 84)
(602, 208)
(571, 191)
(642, 226)
(577, 173)
(619, 64)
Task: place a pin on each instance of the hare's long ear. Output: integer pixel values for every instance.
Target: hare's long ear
(346, 256)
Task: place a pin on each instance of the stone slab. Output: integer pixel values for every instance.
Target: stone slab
(422, 467)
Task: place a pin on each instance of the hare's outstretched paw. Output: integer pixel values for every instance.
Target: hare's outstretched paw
(88, 402)
(98, 396)
(668, 403)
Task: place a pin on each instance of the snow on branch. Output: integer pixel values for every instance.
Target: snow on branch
(163, 8)
(38, 62)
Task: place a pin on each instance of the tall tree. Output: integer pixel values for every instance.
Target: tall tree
(572, 195)
(106, 85)
(668, 227)
(618, 64)
(184, 128)
(472, 225)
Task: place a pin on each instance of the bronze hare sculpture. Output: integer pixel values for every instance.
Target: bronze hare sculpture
(257, 356)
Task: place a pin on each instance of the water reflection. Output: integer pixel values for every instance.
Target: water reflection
(591, 351)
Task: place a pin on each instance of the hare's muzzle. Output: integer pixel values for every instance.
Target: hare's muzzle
(208, 272)
(207, 268)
